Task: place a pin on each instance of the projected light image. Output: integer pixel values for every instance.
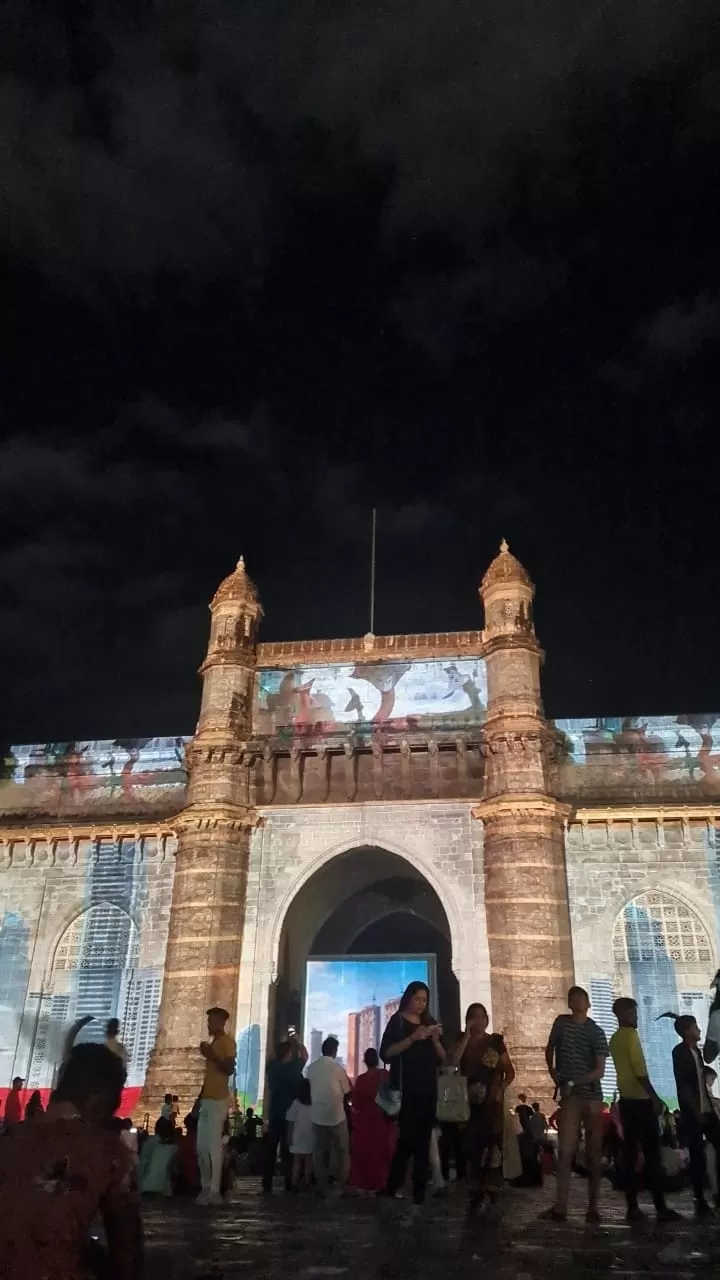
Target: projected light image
(353, 999)
(115, 776)
(680, 749)
(400, 695)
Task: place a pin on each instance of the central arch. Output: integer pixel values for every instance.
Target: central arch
(363, 901)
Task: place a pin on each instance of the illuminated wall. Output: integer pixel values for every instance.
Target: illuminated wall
(370, 697)
(83, 925)
(83, 930)
(138, 777)
(628, 756)
(645, 912)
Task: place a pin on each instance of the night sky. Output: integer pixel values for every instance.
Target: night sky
(268, 265)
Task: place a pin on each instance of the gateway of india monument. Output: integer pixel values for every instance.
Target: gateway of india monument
(387, 795)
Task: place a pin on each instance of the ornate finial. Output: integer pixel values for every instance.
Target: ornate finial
(504, 545)
(241, 564)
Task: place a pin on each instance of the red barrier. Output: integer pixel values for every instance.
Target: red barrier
(130, 1099)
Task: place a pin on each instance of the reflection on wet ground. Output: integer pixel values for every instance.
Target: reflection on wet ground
(374, 1240)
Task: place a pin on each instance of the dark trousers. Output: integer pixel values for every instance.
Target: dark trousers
(640, 1132)
(415, 1125)
(452, 1146)
(697, 1129)
(275, 1137)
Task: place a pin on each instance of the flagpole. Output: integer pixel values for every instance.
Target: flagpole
(372, 572)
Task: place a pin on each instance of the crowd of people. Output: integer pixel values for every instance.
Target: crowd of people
(440, 1108)
(423, 1103)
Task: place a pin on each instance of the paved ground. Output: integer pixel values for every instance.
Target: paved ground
(283, 1236)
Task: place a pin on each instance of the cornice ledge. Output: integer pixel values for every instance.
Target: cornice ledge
(92, 828)
(646, 812)
(212, 817)
(521, 805)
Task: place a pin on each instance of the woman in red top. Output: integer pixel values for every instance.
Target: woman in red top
(373, 1134)
(58, 1173)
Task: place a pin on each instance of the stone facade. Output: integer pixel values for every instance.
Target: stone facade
(327, 782)
(442, 842)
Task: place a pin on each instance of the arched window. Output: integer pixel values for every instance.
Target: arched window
(657, 921)
(663, 958)
(103, 937)
(93, 965)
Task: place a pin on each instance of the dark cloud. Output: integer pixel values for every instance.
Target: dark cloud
(681, 329)
(270, 267)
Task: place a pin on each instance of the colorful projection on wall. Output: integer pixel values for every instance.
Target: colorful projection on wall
(663, 957)
(353, 998)
(647, 751)
(107, 962)
(140, 775)
(398, 696)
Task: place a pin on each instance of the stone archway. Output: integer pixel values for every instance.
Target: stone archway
(366, 900)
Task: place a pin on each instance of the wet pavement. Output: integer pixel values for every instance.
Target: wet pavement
(361, 1239)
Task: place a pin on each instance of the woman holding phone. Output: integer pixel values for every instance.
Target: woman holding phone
(411, 1047)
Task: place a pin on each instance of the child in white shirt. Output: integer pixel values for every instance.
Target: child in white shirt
(300, 1138)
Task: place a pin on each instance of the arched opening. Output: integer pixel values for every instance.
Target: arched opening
(94, 973)
(663, 959)
(367, 902)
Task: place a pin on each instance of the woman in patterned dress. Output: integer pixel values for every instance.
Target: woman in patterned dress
(484, 1061)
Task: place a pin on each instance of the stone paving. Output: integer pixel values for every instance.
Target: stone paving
(359, 1239)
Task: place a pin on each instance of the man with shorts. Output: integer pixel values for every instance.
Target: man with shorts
(576, 1053)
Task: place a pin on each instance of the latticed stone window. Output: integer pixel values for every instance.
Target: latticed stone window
(656, 924)
(98, 939)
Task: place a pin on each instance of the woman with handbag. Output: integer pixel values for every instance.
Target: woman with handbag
(484, 1061)
(412, 1049)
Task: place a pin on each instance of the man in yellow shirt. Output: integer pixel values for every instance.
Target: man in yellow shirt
(640, 1108)
(219, 1054)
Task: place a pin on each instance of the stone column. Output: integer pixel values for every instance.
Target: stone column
(526, 896)
(202, 962)
(528, 924)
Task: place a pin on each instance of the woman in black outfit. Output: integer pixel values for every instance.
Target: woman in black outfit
(412, 1049)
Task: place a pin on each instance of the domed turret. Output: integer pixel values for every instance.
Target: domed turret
(202, 961)
(526, 905)
(237, 588)
(504, 568)
(507, 593)
(227, 671)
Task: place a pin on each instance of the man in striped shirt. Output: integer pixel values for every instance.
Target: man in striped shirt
(576, 1053)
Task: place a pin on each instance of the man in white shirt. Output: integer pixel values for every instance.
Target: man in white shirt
(329, 1087)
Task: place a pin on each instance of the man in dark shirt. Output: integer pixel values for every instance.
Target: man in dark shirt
(523, 1111)
(575, 1054)
(283, 1076)
(253, 1125)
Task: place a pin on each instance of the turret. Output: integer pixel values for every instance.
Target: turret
(228, 673)
(526, 897)
(513, 658)
(202, 960)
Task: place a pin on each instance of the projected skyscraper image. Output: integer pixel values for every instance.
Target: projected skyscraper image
(352, 998)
